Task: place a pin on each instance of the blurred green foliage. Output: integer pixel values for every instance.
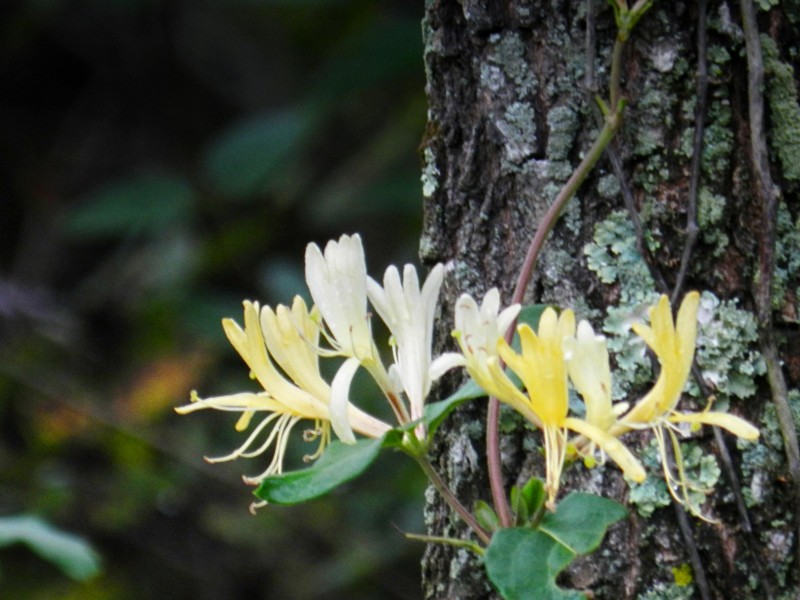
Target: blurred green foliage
(162, 162)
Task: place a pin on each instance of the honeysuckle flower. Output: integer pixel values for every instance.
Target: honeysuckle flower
(543, 370)
(337, 281)
(588, 367)
(408, 312)
(477, 330)
(673, 344)
(586, 355)
(288, 334)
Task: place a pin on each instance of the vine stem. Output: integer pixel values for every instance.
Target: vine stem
(437, 482)
(612, 123)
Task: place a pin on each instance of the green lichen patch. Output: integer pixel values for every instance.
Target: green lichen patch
(701, 470)
(615, 258)
(508, 52)
(718, 138)
(784, 110)
(518, 127)
(430, 174)
(710, 214)
(764, 460)
(726, 350)
(562, 122)
(608, 186)
(786, 274)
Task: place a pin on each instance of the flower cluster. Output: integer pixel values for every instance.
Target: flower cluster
(282, 348)
(560, 353)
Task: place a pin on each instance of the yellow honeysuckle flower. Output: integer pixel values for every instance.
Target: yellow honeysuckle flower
(289, 336)
(673, 344)
(543, 370)
(589, 370)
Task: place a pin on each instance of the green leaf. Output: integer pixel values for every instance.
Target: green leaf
(339, 464)
(523, 563)
(581, 520)
(245, 159)
(70, 553)
(150, 203)
(436, 412)
(533, 493)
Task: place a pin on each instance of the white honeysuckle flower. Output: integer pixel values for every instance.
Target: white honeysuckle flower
(408, 312)
(289, 336)
(337, 281)
(478, 329)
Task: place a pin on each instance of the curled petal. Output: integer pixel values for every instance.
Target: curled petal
(340, 391)
(507, 316)
(736, 425)
(615, 449)
(445, 362)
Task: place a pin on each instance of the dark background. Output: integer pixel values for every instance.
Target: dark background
(160, 162)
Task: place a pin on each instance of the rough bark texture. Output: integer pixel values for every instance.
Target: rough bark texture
(509, 118)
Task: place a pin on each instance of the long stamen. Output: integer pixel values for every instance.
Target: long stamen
(275, 467)
(276, 432)
(250, 439)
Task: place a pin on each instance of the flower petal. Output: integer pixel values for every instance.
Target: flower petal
(340, 391)
(614, 448)
(445, 362)
(736, 425)
(589, 370)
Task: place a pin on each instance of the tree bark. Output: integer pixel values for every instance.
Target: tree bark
(510, 89)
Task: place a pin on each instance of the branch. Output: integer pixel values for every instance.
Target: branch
(699, 129)
(451, 499)
(767, 194)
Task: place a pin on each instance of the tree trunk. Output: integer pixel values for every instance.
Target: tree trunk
(510, 88)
